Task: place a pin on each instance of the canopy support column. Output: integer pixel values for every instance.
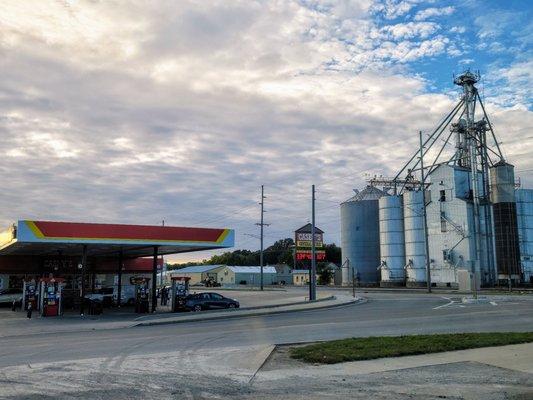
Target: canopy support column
(119, 279)
(154, 280)
(83, 268)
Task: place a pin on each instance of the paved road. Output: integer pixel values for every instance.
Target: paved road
(384, 314)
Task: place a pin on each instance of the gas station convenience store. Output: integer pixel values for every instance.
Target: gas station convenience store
(50, 260)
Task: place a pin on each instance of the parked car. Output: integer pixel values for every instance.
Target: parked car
(107, 297)
(209, 301)
(127, 295)
(8, 295)
(95, 296)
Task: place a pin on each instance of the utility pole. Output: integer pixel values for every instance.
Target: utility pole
(262, 225)
(163, 263)
(312, 279)
(428, 270)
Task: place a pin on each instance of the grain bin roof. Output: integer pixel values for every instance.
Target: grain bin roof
(368, 193)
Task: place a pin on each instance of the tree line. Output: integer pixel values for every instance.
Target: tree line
(281, 252)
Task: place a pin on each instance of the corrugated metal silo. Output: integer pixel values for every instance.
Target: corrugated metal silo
(360, 235)
(524, 211)
(392, 241)
(505, 220)
(415, 247)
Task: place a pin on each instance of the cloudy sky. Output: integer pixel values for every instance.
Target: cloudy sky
(140, 111)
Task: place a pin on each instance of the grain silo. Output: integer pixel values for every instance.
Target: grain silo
(415, 246)
(392, 241)
(360, 235)
(505, 221)
(471, 220)
(524, 213)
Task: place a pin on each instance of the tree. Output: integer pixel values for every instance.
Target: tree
(325, 274)
(333, 253)
(281, 252)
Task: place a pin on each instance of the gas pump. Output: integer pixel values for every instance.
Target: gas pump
(29, 294)
(142, 294)
(180, 290)
(50, 296)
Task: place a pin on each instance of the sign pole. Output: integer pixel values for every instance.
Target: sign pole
(313, 248)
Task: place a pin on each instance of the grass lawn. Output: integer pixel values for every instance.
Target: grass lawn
(355, 349)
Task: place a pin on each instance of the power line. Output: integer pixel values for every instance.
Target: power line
(225, 216)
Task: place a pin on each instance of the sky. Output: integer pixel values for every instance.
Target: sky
(138, 112)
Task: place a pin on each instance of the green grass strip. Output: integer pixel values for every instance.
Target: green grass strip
(368, 348)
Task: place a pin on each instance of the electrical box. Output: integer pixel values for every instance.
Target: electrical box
(468, 281)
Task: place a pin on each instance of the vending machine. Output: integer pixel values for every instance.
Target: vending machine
(50, 296)
(30, 294)
(180, 291)
(142, 294)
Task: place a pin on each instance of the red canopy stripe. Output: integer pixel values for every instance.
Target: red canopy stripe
(75, 230)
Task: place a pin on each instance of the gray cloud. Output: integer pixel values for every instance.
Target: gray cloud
(122, 112)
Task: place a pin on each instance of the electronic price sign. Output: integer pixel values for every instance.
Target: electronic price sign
(307, 255)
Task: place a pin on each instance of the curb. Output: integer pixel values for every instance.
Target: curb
(214, 312)
(241, 289)
(435, 290)
(236, 314)
(214, 315)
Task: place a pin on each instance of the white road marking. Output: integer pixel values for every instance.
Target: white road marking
(445, 305)
(493, 303)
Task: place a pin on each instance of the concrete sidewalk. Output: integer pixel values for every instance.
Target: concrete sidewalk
(517, 357)
(16, 324)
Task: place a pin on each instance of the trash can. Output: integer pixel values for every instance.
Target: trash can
(95, 307)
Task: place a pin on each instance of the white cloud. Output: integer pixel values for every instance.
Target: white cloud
(454, 51)
(458, 29)
(466, 61)
(433, 12)
(511, 86)
(392, 9)
(411, 29)
(494, 23)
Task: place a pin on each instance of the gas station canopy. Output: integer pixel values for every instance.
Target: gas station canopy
(41, 238)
